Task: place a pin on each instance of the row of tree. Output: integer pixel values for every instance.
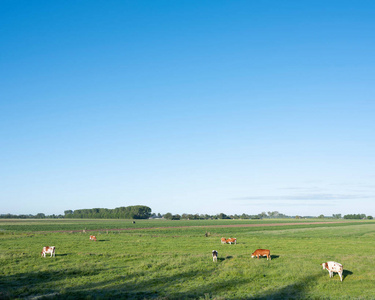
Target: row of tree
(144, 212)
(129, 212)
(263, 215)
(358, 216)
(270, 215)
(30, 216)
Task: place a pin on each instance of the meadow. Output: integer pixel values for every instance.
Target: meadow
(158, 259)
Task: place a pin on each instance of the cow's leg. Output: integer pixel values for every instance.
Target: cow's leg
(340, 274)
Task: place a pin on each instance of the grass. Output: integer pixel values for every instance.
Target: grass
(37, 225)
(164, 261)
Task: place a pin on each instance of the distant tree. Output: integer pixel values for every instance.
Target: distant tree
(68, 213)
(244, 216)
(40, 216)
(223, 216)
(176, 217)
(321, 217)
(355, 216)
(369, 217)
(273, 214)
(168, 216)
(336, 216)
(140, 212)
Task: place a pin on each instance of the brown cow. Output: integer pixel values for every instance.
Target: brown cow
(232, 241)
(261, 252)
(93, 238)
(333, 266)
(48, 249)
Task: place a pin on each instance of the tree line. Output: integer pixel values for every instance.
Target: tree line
(31, 216)
(358, 216)
(129, 212)
(144, 212)
(262, 215)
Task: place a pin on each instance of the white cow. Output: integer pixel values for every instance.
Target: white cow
(332, 267)
(50, 249)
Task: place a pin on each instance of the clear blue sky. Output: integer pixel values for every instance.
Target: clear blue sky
(188, 106)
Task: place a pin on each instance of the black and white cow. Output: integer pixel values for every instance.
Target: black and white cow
(214, 255)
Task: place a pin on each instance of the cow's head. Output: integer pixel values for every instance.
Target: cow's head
(324, 265)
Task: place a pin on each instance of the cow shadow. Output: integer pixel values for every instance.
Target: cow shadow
(221, 259)
(265, 257)
(102, 240)
(346, 273)
(62, 254)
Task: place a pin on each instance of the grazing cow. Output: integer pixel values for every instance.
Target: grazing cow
(261, 252)
(50, 249)
(232, 241)
(332, 267)
(214, 255)
(93, 238)
(223, 240)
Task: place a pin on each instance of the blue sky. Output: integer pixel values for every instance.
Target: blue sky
(188, 106)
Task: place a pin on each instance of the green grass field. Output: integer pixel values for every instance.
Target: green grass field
(157, 259)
